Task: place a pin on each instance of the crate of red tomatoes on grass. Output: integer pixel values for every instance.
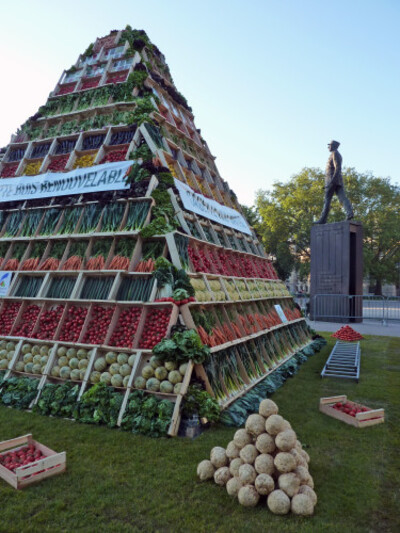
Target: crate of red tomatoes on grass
(24, 461)
(352, 413)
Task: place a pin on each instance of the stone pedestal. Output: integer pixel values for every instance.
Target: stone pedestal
(336, 272)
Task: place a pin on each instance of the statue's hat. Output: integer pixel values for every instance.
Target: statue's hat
(334, 143)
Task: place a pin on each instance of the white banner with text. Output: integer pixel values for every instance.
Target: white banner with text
(199, 204)
(106, 177)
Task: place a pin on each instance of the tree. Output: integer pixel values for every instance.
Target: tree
(250, 214)
(288, 211)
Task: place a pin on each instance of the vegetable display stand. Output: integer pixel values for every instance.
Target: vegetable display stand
(352, 413)
(49, 464)
(134, 243)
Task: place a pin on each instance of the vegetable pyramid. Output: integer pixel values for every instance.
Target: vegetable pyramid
(117, 227)
(264, 462)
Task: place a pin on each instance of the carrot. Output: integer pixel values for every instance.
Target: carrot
(30, 264)
(203, 334)
(11, 264)
(211, 340)
(119, 263)
(244, 324)
(96, 263)
(140, 267)
(50, 264)
(219, 335)
(228, 332)
(236, 330)
(73, 263)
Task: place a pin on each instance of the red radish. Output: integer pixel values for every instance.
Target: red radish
(98, 326)
(57, 163)
(48, 323)
(8, 316)
(155, 327)
(66, 88)
(124, 332)
(73, 323)
(27, 321)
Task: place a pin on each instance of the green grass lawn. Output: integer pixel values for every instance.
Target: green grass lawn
(118, 482)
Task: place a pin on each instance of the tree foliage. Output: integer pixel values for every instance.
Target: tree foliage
(251, 215)
(287, 213)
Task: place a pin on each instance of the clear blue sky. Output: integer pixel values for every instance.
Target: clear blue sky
(270, 82)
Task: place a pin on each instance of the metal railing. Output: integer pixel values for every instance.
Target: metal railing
(355, 307)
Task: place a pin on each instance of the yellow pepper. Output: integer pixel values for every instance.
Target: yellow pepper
(191, 182)
(172, 170)
(202, 188)
(33, 168)
(84, 161)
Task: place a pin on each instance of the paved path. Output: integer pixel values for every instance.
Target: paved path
(368, 327)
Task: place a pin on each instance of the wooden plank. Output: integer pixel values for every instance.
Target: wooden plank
(173, 250)
(89, 368)
(372, 422)
(129, 388)
(338, 415)
(15, 358)
(176, 418)
(13, 443)
(176, 415)
(43, 475)
(373, 413)
(187, 316)
(51, 460)
(179, 213)
(333, 399)
(201, 373)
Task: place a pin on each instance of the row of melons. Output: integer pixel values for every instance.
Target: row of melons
(33, 358)
(71, 363)
(161, 377)
(113, 369)
(7, 351)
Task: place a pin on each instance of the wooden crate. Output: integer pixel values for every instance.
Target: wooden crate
(19, 357)
(361, 420)
(53, 463)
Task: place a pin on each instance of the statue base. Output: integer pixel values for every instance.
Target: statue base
(336, 272)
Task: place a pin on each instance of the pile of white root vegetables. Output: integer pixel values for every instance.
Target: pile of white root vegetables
(264, 459)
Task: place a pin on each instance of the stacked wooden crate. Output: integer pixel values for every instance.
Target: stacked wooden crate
(83, 257)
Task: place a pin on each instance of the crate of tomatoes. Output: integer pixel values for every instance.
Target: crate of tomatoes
(350, 412)
(24, 461)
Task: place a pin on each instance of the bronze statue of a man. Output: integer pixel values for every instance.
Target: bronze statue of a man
(334, 184)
